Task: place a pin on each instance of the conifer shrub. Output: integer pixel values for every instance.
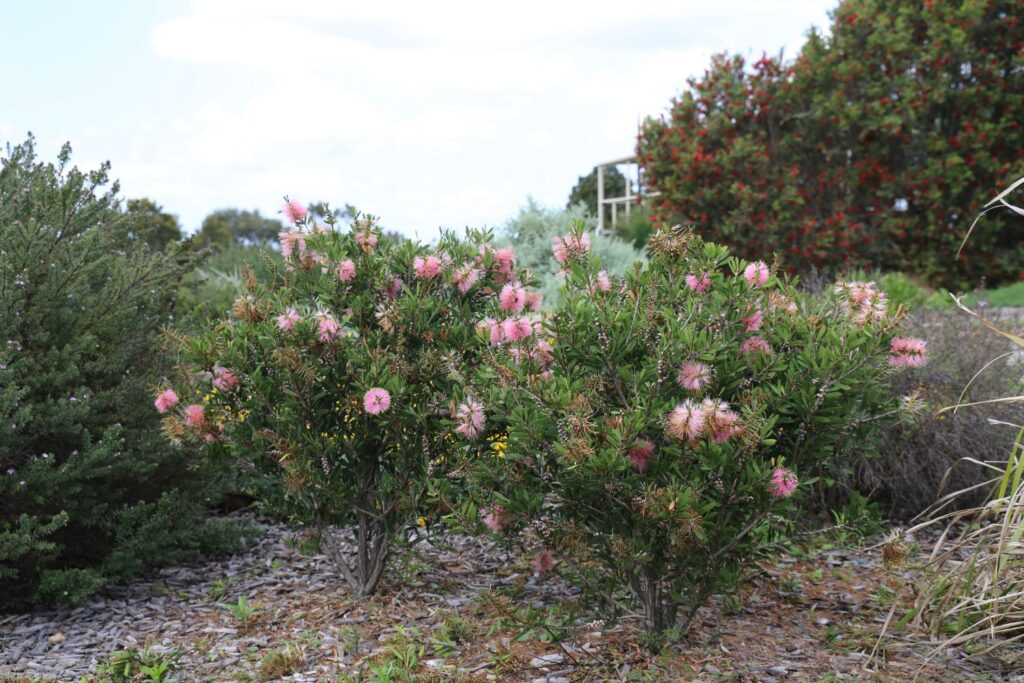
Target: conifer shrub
(89, 490)
(659, 424)
(340, 375)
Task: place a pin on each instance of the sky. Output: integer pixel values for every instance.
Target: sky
(426, 114)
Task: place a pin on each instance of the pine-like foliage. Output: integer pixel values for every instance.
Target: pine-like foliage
(89, 491)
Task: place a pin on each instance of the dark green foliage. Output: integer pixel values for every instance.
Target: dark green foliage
(227, 227)
(160, 227)
(585, 191)
(89, 491)
(876, 147)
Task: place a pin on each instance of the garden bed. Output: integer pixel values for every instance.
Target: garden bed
(460, 608)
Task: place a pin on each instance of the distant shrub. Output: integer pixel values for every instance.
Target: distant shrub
(532, 231)
(89, 491)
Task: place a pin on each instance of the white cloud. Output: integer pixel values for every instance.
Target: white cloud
(442, 113)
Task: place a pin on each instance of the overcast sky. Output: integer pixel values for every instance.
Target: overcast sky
(427, 114)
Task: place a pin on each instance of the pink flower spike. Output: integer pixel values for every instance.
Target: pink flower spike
(346, 270)
(514, 329)
(543, 562)
(784, 482)
(495, 518)
(755, 345)
(721, 421)
(908, 352)
(292, 242)
(287, 320)
(427, 267)
(512, 298)
(376, 401)
(165, 400)
(641, 455)
(194, 415)
(754, 320)
(294, 211)
(603, 282)
(393, 288)
(694, 376)
(328, 327)
(570, 246)
(756, 273)
(534, 299)
(471, 419)
(366, 240)
(224, 379)
(700, 284)
(686, 421)
(465, 277)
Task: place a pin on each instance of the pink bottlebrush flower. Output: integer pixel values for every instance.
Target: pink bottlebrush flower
(701, 284)
(514, 329)
(570, 246)
(366, 240)
(346, 270)
(328, 327)
(165, 400)
(224, 379)
(493, 330)
(547, 374)
(288, 320)
(292, 242)
(721, 421)
(471, 419)
(495, 518)
(294, 211)
(194, 415)
(543, 352)
(862, 302)
(694, 376)
(376, 401)
(512, 298)
(908, 352)
(427, 267)
(504, 259)
(321, 260)
(465, 276)
(686, 421)
(780, 302)
(603, 282)
(784, 482)
(534, 299)
(393, 288)
(754, 320)
(755, 345)
(756, 273)
(543, 562)
(641, 455)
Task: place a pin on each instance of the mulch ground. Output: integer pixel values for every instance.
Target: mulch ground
(456, 608)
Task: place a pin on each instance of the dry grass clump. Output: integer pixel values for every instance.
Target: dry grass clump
(976, 594)
(933, 453)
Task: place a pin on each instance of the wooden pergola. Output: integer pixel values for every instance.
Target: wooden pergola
(627, 200)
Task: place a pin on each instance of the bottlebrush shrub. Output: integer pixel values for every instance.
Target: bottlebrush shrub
(659, 425)
(341, 376)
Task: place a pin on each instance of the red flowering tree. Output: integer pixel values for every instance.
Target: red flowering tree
(871, 149)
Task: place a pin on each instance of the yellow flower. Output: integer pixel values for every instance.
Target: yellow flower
(422, 522)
